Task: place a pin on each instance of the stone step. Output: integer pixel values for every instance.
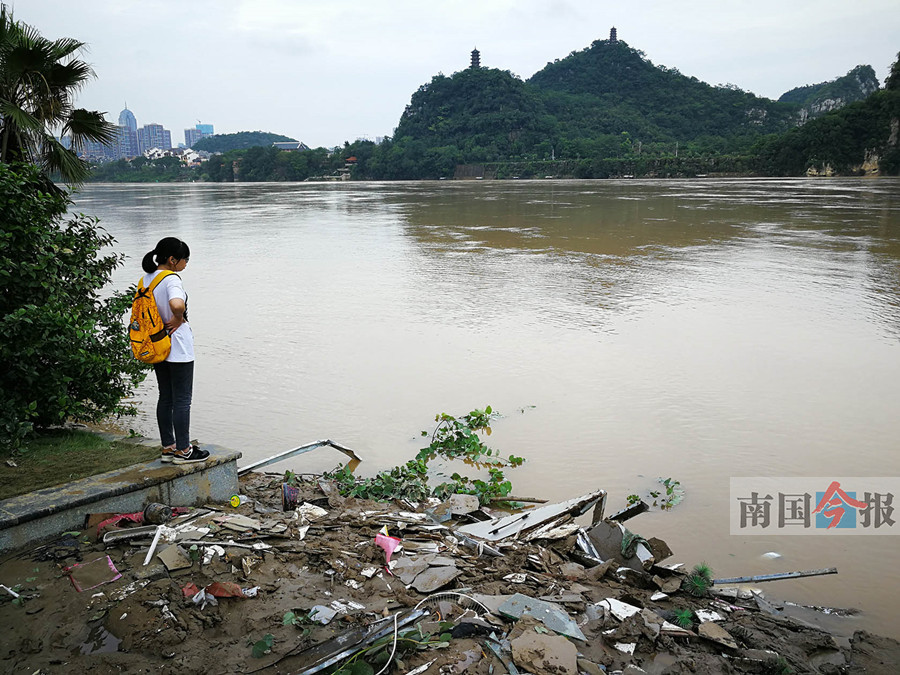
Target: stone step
(45, 513)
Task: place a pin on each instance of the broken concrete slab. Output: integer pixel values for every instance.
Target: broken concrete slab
(715, 633)
(544, 654)
(461, 505)
(607, 538)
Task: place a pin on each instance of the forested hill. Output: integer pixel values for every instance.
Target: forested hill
(610, 87)
(478, 108)
(864, 134)
(817, 99)
(239, 141)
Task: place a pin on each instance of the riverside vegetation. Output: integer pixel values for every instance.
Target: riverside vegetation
(62, 342)
(601, 112)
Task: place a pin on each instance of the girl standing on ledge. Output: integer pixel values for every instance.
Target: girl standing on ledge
(175, 375)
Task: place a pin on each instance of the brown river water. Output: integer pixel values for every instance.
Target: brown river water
(625, 330)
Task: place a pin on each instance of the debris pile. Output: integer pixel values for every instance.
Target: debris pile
(298, 579)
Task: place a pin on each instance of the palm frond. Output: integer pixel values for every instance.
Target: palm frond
(57, 158)
(65, 47)
(23, 119)
(89, 125)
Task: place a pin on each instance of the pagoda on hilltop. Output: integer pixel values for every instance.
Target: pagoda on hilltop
(612, 35)
(476, 59)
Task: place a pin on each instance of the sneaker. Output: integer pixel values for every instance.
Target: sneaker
(168, 454)
(195, 455)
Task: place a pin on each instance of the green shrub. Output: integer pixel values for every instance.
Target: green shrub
(63, 345)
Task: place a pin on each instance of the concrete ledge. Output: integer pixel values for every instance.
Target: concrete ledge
(47, 512)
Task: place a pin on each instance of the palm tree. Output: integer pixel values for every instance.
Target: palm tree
(38, 82)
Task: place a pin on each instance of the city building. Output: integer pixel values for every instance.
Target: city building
(191, 136)
(153, 136)
(126, 144)
(290, 145)
(205, 129)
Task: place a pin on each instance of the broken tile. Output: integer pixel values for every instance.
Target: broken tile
(434, 578)
(552, 616)
(174, 558)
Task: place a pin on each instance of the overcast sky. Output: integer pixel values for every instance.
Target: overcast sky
(333, 70)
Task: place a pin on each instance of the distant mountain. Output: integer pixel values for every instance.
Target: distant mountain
(239, 141)
(817, 99)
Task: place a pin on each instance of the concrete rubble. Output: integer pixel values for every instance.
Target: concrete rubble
(449, 588)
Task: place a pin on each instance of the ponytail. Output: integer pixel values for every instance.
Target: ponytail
(170, 247)
(147, 263)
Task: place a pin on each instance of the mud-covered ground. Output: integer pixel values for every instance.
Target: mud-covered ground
(449, 593)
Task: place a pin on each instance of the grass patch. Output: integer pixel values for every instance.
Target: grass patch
(59, 456)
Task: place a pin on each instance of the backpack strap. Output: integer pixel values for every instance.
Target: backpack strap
(159, 277)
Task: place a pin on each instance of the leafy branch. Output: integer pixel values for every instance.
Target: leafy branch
(452, 438)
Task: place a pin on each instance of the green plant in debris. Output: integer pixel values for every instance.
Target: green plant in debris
(699, 581)
(264, 646)
(379, 652)
(453, 438)
(684, 618)
(300, 621)
(633, 499)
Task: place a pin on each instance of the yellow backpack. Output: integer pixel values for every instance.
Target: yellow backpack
(150, 341)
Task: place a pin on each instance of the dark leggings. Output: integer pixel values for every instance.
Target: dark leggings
(173, 410)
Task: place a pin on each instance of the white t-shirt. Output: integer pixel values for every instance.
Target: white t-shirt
(182, 339)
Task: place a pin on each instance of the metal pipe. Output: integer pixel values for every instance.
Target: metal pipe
(297, 451)
(777, 576)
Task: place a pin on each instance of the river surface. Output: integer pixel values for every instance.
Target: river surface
(625, 330)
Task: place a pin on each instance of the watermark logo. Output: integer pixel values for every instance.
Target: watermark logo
(805, 505)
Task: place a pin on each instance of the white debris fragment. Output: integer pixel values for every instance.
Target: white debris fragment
(708, 615)
(210, 552)
(311, 512)
(626, 647)
(516, 578)
(369, 572)
(322, 614)
(659, 595)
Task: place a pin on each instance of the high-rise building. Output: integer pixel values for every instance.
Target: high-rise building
(205, 129)
(126, 143)
(127, 119)
(153, 136)
(191, 136)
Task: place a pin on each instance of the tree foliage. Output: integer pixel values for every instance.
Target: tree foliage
(239, 141)
(840, 140)
(38, 82)
(64, 350)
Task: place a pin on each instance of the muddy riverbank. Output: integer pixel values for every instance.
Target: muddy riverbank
(259, 589)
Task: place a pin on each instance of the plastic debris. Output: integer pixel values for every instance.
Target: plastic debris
(387, 543)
